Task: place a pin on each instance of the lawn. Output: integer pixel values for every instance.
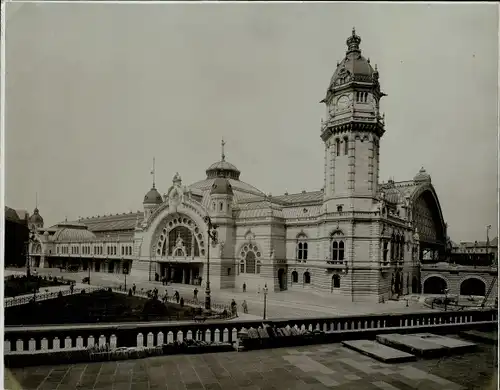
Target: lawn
(96, 307)
(20, 285)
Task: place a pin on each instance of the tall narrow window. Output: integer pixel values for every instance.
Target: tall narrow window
(346, 146)
(341, 251)
(338, 147)
(299, 251)
(335, 250)
(305, 251)
(384, 251)
(221, 206)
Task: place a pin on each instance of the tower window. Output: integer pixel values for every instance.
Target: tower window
(337, 144)
(221, 206)
(346, 146)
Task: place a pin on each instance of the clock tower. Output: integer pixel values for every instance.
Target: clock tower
(352, 132)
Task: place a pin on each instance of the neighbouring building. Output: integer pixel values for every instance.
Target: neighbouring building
(16, 236)
(354, 237)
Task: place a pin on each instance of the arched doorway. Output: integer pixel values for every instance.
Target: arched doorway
(307, 278)
(473, 286)
(435, 285)
(282, 279)
(415, 285)
(295, 277)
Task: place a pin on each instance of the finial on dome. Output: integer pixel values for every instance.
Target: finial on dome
(177, 178)
(223, 156)
(153, 172)
(353, 42)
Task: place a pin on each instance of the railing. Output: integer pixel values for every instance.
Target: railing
(25, 299)
(45, 338)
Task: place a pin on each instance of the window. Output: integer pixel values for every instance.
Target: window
(337, 144)
(123, 250)
(336, 281)
(295, 277)
(337, 250)
(302, 247)
(339, 208)
(384, 251)
(346, 146)
(213, 206)
(307, 277)
(221, 206)
(250, 259)
(228, 271)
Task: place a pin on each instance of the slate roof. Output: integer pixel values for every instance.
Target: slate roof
(117, 222)
(300, 198)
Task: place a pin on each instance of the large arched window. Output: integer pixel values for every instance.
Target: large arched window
(307, 277)
(295, 277)
(181, 242)
(250, 262)
(337, 248)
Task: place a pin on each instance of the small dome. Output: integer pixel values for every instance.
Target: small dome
(223, 169)
(36, 217)
(422, 176)
(153, 197)
(221, 186)
(73, 232)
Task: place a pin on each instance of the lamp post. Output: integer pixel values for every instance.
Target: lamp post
(31, 238)
(212, 239)
(265, 290)
(488, 227)
(125, 272)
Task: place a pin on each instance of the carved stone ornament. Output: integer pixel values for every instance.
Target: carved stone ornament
(221, 249)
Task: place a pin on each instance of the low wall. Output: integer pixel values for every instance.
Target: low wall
(44, 338)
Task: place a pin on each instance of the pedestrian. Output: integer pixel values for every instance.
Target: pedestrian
(245, 307)
(182, 302)
(244, 287)
(195, 295)
(72, 288)
(177, 296)
(134, 288)
(234, 308)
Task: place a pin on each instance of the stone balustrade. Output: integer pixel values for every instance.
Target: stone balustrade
(39, 339)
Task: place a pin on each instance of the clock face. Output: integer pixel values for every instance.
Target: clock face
(342, 102)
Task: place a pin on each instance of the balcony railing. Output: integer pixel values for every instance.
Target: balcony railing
(19, 340)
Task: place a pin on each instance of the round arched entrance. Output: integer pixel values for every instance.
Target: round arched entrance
(435, 285)
(179, 249)
(473, 286)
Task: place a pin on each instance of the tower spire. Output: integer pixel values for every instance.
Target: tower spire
(223, 156)
(153, 172)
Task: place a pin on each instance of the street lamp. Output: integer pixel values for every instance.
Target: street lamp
(125, 272)
(265, 290)
(90, 266)
(212, 239)
(31, 238)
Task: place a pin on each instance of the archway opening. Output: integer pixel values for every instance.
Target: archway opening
(473, 286)
(435, 285)
(282, 279)
(295, 277)
(307, 277)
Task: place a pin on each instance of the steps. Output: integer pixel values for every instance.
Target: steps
(398, 348)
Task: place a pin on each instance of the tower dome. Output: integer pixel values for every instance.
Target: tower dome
(422, 176)
(36, 218)
(153, 197)
(223, 168)
(221, 186)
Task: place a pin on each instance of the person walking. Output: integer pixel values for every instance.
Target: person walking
(234, 308)
(245, 307)
(177, 296)
(134, 288)
(195, 295)
(244, 287)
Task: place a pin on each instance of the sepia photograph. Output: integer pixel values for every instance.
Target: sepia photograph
(236, 195)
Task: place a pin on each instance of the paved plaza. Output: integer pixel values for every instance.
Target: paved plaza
(284, 304)
(314, 367)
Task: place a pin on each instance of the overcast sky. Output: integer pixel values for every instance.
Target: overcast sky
(93, 92)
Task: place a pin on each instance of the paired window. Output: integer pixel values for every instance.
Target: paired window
(338, 149)
(397, 247)
(362, 97)
(306, 277)
(338, 250)
(302, 248)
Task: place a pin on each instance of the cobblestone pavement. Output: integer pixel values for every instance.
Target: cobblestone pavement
(314, 367)
(285, 304)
